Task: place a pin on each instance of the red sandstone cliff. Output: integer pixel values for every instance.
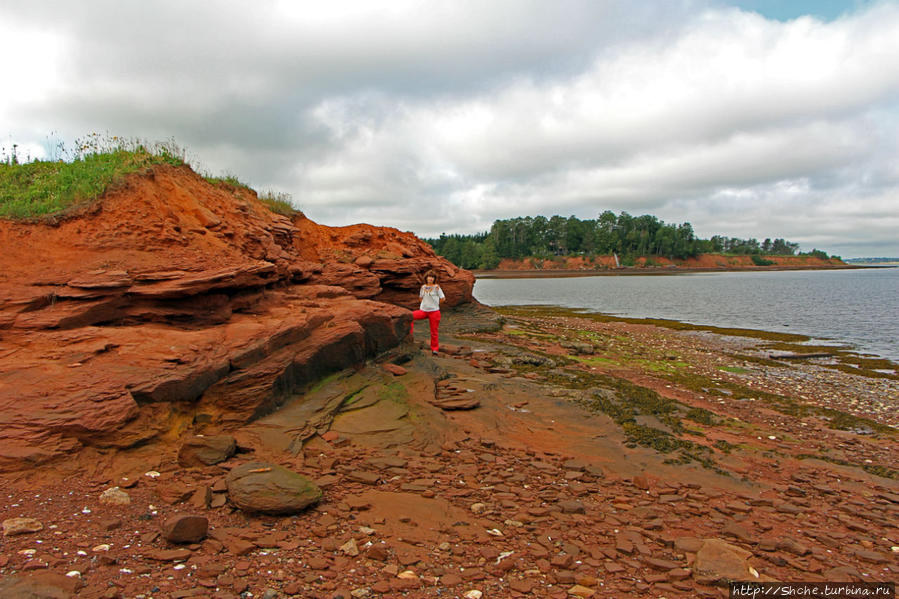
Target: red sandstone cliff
(174, 303)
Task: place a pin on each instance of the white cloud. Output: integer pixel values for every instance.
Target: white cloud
(444, 116)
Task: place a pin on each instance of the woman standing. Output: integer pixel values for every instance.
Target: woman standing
(431, 295)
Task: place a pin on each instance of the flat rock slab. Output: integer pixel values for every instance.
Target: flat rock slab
(206, 451)
(418, 519)
(383, 416)
(718, 561)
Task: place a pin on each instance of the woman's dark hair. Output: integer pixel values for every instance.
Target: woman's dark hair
(431, 273)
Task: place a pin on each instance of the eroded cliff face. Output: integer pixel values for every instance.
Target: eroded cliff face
(173, 303)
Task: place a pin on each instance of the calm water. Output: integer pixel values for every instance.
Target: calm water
(855, 307)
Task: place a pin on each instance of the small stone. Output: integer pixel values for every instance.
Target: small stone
(688, 544)
(317, 563)
(366, 478)
(473, 594)
(717, 560)
(679, 574)
(350, 548)
(870, 556)
(206, 451)
(382, 586)
(478, 508)
(581, 591)
(522, 586)
(377, 551)
(201, 498)
(115, 496)
(127, 482)
(20, 526)
(394, 369)
(572, 507)
(660, 564)
(185, 528)
(168, 555)
(111, 524)
(793, 546)
(788, 508)
(641, 482)
(739, 531)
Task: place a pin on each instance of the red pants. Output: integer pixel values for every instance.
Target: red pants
(434, 319)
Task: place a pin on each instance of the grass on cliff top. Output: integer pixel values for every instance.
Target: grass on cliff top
(42, 188)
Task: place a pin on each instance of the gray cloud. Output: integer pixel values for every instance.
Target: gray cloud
(444, 116)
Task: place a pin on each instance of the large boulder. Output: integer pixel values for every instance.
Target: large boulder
(270, 489)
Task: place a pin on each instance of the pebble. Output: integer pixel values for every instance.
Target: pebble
(185, 528)
(581, 591)
(20, 526)
(115, 496)
(350, 548)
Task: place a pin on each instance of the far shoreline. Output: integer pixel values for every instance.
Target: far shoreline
(625, 271)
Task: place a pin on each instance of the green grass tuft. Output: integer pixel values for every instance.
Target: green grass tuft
(278, 202)
(50, 188)
(227, 180)
(42, 188)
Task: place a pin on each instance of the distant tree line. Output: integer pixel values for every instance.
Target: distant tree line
(627, 236)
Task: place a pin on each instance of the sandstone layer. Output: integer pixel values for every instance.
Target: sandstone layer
(174, 304)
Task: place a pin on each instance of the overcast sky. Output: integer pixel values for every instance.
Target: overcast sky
(748, 119)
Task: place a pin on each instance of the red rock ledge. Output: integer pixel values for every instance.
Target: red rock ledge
(173, 302)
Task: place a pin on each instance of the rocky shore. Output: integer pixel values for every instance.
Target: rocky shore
(204, 398)
(541, 454)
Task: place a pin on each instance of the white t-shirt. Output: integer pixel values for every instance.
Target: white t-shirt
(430, 298)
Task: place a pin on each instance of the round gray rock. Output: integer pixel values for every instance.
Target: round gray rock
(270, 489)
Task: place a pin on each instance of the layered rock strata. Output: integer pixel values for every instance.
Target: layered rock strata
(174, 303)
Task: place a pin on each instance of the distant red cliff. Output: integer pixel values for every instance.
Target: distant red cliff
(659, 263)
